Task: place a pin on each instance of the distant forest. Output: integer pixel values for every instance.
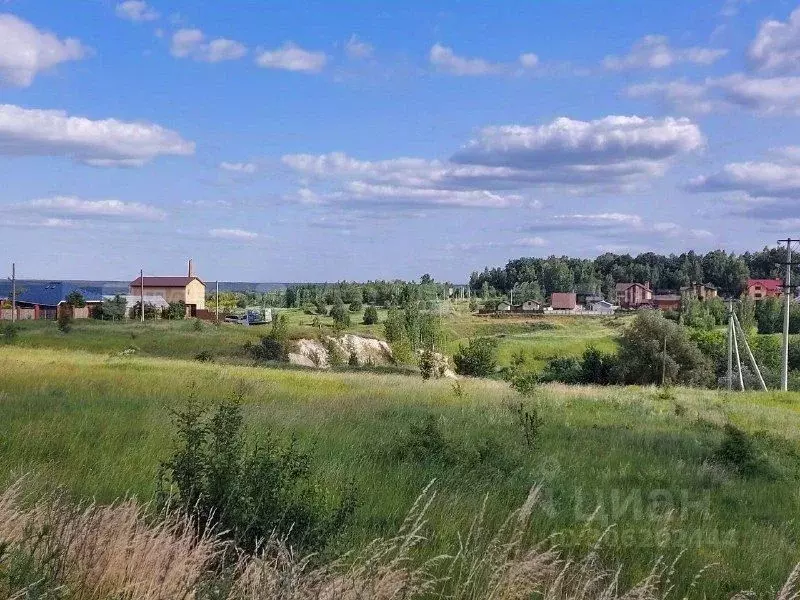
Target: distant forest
(538, 277)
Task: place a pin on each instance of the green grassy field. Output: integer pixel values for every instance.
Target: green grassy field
(538, 338)
(99, 424)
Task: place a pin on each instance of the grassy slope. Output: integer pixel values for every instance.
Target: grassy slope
(99, 425)
(180, 339)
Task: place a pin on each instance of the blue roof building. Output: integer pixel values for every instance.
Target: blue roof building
(53, 293)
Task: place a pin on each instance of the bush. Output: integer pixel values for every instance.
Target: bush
(737, 451)
(371, 315)
(641, 354)
(566, 369)
(247, 492)
(64, 321)
(340, 315)
(598, 368)
(175, 310)
(204, 356)
(423, 442)
(274, 345)
(75, 299)
(111, 309)
(477, 359)
(427, 364)
(9, 333)
(356, 305)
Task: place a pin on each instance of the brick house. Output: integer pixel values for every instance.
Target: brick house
(764, 288)
(633, 295)
(189, 290)
(667, 301)
(701, 291)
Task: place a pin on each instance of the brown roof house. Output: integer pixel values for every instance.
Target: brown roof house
(188, 289)
(563, 301)
(633, 295)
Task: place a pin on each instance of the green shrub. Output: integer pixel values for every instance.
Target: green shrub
(477, 359)
(274, 345)
(9, 333)
(75, 299)
(204, 356)
(247, 492)
(566, 369)
(598, 368)
(371, 315)
(340, 315)
(64, 321)
(642, 358)
(423, 442)
(427, 364)
(111, 309)
(356, 305)
(737, 450)
(175, 310)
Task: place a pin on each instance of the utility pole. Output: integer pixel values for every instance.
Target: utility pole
(141, 294)
(731, 333)
(738, 362)
(664, 364)
(13, 292)
(787, 291)
(216, 298)
(738, 325)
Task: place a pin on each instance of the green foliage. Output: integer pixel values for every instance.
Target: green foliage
(321, 306)
(247, 491)
(429, 365)
(566, 369)
(64, 321)
(111, 309)
(150, 311)
(713, 345)
(473, 304)
(175, 311)
(394, 326)
(737, 450)
(9, 333)
(75, 299)
(371, 315)
(530, 424)
(204, 356)
(356, 305)
(746, 311)
(642, 357)
(769, 315)
(340, 315)
(197, 325)
(477, 358)
(274, 345)
(597, 367)
(423, 442)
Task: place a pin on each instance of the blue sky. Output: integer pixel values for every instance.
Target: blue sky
(292, 141)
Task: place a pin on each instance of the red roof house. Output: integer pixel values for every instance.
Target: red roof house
(563, 301)
(764, 288)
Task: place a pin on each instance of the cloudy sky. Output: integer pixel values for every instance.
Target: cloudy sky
(290, 141)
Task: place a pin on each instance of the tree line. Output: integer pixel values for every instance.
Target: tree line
(536, 278)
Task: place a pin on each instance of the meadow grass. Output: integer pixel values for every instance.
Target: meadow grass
(538, 338)
(99, 425)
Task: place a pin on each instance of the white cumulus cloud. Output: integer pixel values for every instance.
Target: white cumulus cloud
(233, 234)
(239, 167)
(447, 61)
(137, 11)
(191, 43)
(610, 154)
(291, 57)
(654, 52)
(776, 47)
(107, 142)
(25, 51)
(58, 208)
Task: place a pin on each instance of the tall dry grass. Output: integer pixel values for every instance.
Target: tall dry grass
(96, 552)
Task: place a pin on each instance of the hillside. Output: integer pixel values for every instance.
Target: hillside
(648, 461)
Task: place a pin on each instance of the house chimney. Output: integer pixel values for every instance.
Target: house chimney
(191, 269)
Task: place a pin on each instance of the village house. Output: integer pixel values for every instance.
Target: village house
(701, 291)
(563, 301)
(633, 295)
(667, 301)
(189, 290)
(530, 306)
(764, 288)
(48, 300)
(503, 306)
(602, 307)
